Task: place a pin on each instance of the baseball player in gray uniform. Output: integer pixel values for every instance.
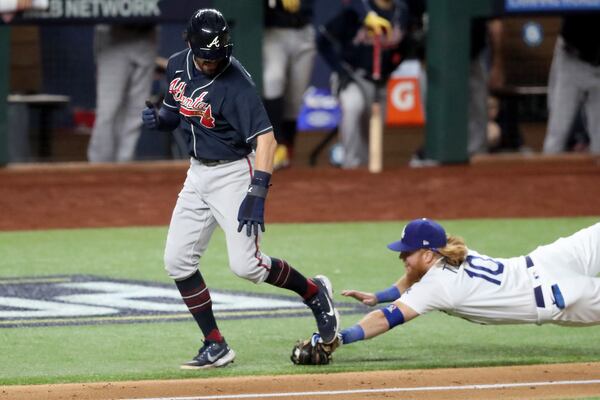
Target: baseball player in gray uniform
(288, 54)
(557, 283)
(574, 82)
(213, 99)
(125, 56)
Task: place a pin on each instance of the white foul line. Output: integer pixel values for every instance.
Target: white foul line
(388, 390)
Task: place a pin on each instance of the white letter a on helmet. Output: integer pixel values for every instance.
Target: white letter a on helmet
(215, 42)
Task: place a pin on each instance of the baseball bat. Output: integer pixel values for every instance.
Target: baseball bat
(376, 123)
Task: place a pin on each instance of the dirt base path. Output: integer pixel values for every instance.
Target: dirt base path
(557, 381)
(80, 195)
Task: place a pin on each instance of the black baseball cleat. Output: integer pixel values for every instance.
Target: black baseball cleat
(323, 309)
(211, 355)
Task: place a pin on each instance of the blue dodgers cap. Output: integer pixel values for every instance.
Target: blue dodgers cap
(420, 234)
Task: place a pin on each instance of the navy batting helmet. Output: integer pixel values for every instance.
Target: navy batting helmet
(208, 35)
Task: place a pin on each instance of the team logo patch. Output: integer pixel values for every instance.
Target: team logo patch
(215, 42)
(87, 300)
(192, 107)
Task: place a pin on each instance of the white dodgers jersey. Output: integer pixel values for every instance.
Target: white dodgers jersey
(482, 290)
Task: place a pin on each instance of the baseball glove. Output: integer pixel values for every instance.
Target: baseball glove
(313, 351)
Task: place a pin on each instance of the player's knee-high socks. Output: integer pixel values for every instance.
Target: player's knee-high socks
(196, 297)
(285, 276)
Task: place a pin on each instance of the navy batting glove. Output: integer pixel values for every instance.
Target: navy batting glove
(252, 209)
(149, 117)
(251, 214)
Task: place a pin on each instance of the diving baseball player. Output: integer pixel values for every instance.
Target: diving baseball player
(213, 99)
(556, 283)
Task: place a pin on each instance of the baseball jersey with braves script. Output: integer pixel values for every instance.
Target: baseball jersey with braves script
(555, 283)
(220, 115)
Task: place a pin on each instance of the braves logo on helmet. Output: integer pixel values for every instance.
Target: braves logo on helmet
(215, 43)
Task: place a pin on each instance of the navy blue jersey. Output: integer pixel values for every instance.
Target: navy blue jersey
(220, 115)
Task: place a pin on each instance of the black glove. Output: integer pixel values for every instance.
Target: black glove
(149, 116)
(252, 209)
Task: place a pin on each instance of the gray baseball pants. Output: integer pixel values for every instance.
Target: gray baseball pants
(573, 84)
(211, 197)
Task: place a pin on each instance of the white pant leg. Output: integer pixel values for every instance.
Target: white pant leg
(573, 263)
(582, 298)
(226, 187)
(275, 59)
(579, 253)
(478, 113)
(142, 54)
(192, 225)
(564, 99)
(355, 102)
(592, 108)
(113, 69)
(300, 66)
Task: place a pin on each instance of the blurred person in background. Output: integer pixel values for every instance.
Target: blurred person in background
(125, 62)
(574, 83)
(346, 44)
(486, 71)
(288, 55)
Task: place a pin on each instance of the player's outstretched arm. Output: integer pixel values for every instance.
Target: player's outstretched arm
(386, 295)
(366, 298)
(379, 321)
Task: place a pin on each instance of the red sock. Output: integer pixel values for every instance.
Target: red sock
(214, 336)
(311, 289)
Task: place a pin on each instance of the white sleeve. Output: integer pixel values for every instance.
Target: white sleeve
(430, 293)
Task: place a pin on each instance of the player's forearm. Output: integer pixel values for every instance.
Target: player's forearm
(167, 119)
(377, 322)
(374, 324)
(265, 152)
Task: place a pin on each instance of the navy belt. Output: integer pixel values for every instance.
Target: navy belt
(539, 296)
(212, 163)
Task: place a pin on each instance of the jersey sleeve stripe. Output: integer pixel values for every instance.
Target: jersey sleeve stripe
(270, 128)
(168, 105)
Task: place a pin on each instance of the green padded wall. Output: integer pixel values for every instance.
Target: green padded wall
(447, 77)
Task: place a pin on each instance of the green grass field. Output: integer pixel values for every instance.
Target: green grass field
(353, 255)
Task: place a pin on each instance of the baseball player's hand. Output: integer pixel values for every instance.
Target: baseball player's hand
(378, 25)
(252, 209)
(149, 116)
(291, 6)
(251, 214)
(366, 298)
